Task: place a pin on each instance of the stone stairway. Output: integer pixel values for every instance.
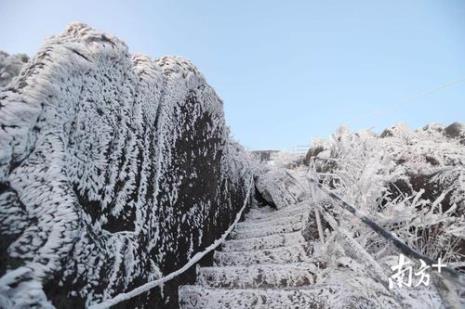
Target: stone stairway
(265, 263)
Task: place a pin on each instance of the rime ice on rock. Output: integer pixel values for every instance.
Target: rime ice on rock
(279, 188)
(114, 169)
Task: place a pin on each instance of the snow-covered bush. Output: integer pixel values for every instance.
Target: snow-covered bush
(410, 182)
(10, 65)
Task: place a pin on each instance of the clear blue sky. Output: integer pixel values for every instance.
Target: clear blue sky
(288, 71)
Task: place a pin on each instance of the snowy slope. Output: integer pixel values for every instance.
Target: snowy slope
(114, 170)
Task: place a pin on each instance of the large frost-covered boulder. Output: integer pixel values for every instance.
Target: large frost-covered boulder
(279, 188)
(114, 170)
(455, 130)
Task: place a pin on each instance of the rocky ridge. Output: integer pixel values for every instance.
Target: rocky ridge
(114, 170)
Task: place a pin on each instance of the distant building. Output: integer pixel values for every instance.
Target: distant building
(263, 155)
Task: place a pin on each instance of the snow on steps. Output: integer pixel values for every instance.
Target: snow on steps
(258, 276)
(265, 242)
(262, 266)
(291, 254)
(265, 231)
(249, 225)
(257, 215)
(195, 296)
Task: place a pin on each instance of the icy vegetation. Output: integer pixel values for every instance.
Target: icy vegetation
(10, 65)
(114, 170)
(411, 183)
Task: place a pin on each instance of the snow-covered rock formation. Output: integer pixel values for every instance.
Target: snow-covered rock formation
(278, 187)
(114, 170)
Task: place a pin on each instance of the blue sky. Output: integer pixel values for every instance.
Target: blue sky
(288, 71)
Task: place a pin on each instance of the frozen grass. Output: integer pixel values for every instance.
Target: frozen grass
(411, 183)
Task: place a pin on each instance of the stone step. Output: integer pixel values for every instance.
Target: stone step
(251, 224)
(298, 209)
(258, 276)
(265, 242)
(260, 210)
(300, 215)
(264, 231)
(282, 255)
(194, 297)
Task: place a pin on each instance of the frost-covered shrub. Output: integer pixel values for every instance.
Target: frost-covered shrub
(10, 65)
(411, 181)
